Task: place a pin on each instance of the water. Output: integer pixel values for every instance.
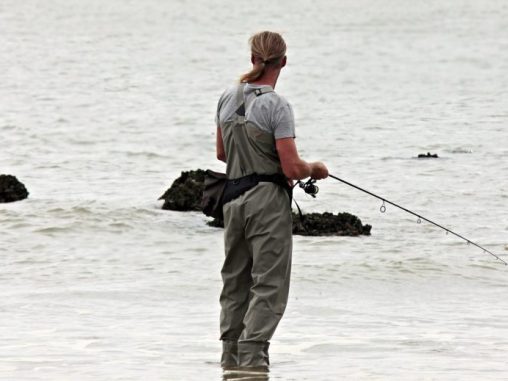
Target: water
(102, 104)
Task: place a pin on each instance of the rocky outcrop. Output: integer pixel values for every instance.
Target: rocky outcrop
(186, 191)
(11, 189)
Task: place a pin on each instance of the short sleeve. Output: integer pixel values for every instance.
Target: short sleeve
(217, 113)
(283, 121)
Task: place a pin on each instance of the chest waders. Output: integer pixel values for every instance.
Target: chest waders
(257, 240)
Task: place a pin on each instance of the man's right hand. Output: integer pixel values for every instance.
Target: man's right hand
(318, 171)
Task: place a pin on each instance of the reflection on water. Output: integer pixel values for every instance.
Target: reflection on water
(244, 375)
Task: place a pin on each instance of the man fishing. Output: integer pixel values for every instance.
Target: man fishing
(255, 138)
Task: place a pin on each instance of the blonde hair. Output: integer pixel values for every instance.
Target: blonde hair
(267, 48)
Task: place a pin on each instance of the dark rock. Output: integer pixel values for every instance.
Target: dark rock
(11, 189)
(428, 155)
(185, 193)
(318, 224)
(322, 224)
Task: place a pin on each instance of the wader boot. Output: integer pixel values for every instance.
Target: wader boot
(229, 359)
(253, 356)
(257, 240)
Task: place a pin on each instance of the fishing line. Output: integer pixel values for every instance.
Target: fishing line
(382, 209)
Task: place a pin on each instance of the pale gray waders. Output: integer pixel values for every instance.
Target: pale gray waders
(258, 244)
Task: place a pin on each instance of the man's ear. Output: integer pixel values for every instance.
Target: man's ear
(284, 61)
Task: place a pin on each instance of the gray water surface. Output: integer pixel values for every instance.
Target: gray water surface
(102, 104)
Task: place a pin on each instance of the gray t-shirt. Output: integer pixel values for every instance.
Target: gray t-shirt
(270, 111)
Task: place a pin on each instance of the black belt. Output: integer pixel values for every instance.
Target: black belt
(236, 187)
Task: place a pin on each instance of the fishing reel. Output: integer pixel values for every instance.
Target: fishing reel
(309, 187)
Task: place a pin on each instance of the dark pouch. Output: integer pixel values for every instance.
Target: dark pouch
(212, 201)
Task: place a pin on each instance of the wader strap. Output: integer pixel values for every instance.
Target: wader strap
(240, 100)
(240, 112)
(240, 97)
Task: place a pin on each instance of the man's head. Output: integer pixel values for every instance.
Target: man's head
(268, 52)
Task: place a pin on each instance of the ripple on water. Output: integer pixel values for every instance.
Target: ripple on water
(53, 230)
(459, 150)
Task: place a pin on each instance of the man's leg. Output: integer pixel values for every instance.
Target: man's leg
(269, 234)
(236, 276)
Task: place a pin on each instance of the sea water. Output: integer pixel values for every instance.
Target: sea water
(104, 103)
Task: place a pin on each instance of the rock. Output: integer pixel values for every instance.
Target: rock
(428, 155)
(322, 224)
(11, 189)
(319, 224)
(185, 193)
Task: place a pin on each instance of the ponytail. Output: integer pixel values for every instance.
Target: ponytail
(257, 71)
(267, 48)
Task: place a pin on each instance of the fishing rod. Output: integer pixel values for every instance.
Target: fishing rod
(310, 188)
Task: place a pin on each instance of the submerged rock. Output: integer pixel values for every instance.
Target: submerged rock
(11, 189)
(428, 155)
(322, 224)
(185, 193)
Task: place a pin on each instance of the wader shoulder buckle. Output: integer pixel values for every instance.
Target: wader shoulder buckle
(262, 90)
